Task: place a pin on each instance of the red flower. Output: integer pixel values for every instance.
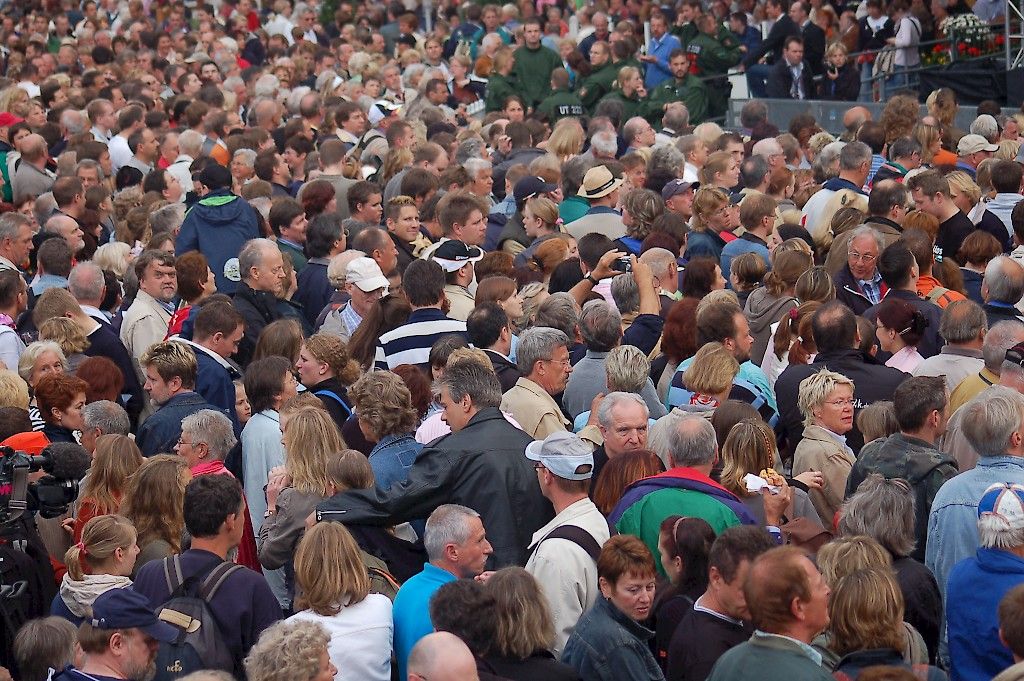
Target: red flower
(1000, 39)
(938, 48)
(973, 51)
(961, 46)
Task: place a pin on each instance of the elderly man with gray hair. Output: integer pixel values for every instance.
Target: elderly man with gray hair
(103, 417)
(686, 489)
(1002, 288)
(963, 326)
(261, 267)
(993, 423)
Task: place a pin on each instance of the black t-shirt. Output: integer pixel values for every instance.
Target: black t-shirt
(951, 236)
(699, 641)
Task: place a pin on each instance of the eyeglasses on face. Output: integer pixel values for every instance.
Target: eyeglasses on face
(866, 258)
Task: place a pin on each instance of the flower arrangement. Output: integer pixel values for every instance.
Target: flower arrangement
(969, 36)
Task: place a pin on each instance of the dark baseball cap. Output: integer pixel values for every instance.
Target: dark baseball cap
(531, 186)
(676, 187)
(215, 176)
(127, 609)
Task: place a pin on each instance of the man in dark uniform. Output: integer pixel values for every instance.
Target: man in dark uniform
(601, 78)
(561, 102)
(715, 52)
(683, 87)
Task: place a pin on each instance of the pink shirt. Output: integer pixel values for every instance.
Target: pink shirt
(433, 427)
(905, 360)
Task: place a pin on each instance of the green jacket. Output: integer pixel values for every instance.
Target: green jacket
(686, 32)
(691, 91)
(499, 87)
(768, 658)
(597, 85)
(560, 104)
(533, 73)
(631, 106)
(712, 57)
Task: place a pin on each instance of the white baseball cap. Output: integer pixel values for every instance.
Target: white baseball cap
(366, 274)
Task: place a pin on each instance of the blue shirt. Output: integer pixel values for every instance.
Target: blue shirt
(660, 48)
(740, 246)
(872, 289)
(412, 613)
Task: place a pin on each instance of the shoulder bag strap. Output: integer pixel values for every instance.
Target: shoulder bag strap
(578, 536)
(216, 578)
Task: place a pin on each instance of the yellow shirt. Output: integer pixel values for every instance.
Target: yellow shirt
(969, 388)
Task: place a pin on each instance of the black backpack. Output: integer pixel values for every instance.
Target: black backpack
(27, 585)
(199, 644)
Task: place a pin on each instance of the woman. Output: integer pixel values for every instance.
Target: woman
(196, 283)
(243, 168)
(614, 477)
(514, 109)
(326, 369)
(841, 81)
(707, 382)
(721, 171)
(773, 301)
(966, 195)
(609, 643)
(930, 139)
(60, 398)
(885, 510)
(524, 631)
(814, 288)
(154, 502)
(977, 251)
(334, 592)
(281, 338)
(683, 545)
(566, 140)
(463, 88)
(104, 378)
(386, 416)
(553, 261)
(66, 333)
(318, 196)
(269, 383)
(794, 340)
(640, 208)
(291, 651)
(499, 83)
(899, 328)
(866, 625)
(541, 222)
(37, 360)
(388, 313)
(630, 92)
(906, 40)
(702, 276)
(749, 449)
(826, 402)
(101, 560)
(678, 342)
(781, 187)
(711, 219)
(115, 460)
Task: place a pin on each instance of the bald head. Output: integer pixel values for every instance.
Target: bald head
(441, 656)
(34, 149)
(856, 117)
(68, 229)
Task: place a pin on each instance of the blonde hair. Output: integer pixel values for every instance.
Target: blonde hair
(113, 257)
(717, 163)
(625, 74)
(749, 448)
(101, 537)
(309, 437)
(712, 371)
(13, 390)
(66, 333)
(349, 469)
(522, 620)
(843, 555)
(707, 200)
(472, 354)
(333, 352)
(786, 270)
(116, 459)
(962, 182)
(1007, 150)
(866, 612)
(329, 570)
(566, 140)
(288, 650)
(626, 368)
(815, 388)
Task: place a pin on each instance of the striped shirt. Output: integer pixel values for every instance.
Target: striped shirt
(411, 342)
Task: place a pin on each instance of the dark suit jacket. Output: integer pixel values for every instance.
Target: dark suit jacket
(780, 80)
(507, 372)
(772, 45)
(814, 47)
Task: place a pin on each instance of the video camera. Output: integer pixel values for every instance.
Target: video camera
(64, 463)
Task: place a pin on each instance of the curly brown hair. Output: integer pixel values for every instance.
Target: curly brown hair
(899, 117)
(384, 403)
(333, 352)
(155, 499)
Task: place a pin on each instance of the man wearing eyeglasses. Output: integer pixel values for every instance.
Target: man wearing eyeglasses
(858, 283)
(887, 206)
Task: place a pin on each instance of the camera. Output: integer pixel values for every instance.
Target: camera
(64, 464)
(622, 264)
(833, 69)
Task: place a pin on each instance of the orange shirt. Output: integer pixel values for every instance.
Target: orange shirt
(926, 283)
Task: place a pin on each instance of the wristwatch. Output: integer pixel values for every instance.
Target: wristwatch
(269, 512)
(590, 278)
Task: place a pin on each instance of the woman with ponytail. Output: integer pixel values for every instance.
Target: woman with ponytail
(899, 329)
(773, 301)
(102, 560)
(541, 222)
(813, 289)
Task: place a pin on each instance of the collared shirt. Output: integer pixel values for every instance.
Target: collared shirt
(700, 607)
(804, 648)
(796, 91)
(872, 289)
(350, 318)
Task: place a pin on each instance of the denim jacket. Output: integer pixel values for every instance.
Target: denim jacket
(953, 523)
(392, 457)
(609, 646)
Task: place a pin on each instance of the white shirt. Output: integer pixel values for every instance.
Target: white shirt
(120, 152)
(362, 638)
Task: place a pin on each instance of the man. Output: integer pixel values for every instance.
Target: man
(15, 241)
(402, 219)
(835, 333)
(665, 271)
(564, 552)
(725, 323)
(218, 225)
(904, 156)
(1001, 338)
(931, 195)
(379, 246)
(993, 424)
(170, 371)
(1001, 288)
(190, 146)
(69, 195)
(543, 359)
(624, 422)
(971, 150)
(53, 264)
(963, 326)
(431, 157)
(791, 77)
(757, 216)
(32, 177)
(120, 639)
(719, 619)
(685, 489)
(68, 229)
(602, 76)
(601, 188)
(978, 584)
(271, 167)
(683, 87)
(854, 166)
(145, 151)
(103, 417)
(130, 120)
(145, 322)
(13, 302)
(1007, 177)
(858, 283)
(754, 171)
(922, 411)
(887, 206)
(102, 119)
(562, 102)
(332, 163)
(457, 548)
(788, 602)
(534, 64)
(601, 327)
(326, 238)
(638, 134)
(900, 273)
(497, 479)
(261, 267)
(218, 329)
(659, 50)
(243, 606)
(771, 47)
(462, 217)
(423, 283)
(365, 285)
(813, 36)
(489, 329)
(287, 220)
(442, 656)
(678, 197)
(457, 259)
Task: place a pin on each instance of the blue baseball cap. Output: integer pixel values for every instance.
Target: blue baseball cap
(127, 609)
(1004, 501)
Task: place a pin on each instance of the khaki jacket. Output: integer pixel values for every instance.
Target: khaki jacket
(820, 451)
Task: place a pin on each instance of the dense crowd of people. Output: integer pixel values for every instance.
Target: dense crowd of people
(474, 345)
